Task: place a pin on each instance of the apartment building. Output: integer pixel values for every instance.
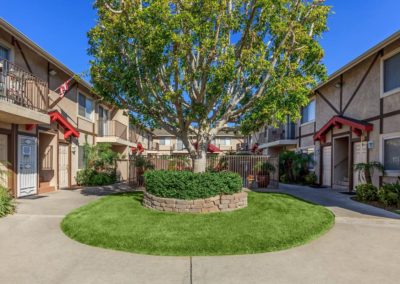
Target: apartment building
(41, 133)
(353, 117)
(228, 139)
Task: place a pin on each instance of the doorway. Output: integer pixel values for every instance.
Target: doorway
(341, 162)
(27, 165)
(63, 167)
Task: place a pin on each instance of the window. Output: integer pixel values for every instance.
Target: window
(85, 106)
(165, 141)
(225, 141)
(179, 145)
(308, 113)
(391, 154)
(81, 157)
(4, 53)
(391, 74)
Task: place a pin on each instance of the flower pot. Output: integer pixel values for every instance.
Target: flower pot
(263, 180)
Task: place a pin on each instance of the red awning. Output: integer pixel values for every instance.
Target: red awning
(69, 130)
(211, 148)
(357, 126)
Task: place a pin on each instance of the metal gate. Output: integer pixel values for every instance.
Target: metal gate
(244, 165)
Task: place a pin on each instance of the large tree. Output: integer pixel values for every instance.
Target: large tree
(194, 66)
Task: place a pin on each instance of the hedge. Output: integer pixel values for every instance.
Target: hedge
(188, 185)
(7, 205)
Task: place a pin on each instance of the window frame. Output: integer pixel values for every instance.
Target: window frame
(83, 157)
(384, 137)
(8, 46)
(91, 118)
(165, 139)
(315, 113)
(382, 73)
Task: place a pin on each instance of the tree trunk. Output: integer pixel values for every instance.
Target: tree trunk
(200, 161)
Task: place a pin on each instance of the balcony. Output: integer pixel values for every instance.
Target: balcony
(24, 98)
(114, 132)
(281, 136)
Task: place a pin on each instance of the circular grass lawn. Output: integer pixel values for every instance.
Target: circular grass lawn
(270, 222)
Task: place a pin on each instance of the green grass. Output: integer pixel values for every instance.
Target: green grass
(271, 222)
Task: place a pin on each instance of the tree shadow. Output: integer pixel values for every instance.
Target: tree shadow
(117, 188)
(331, 198)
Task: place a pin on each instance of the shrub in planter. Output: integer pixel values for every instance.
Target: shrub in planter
(366, 192)
(7, 205)
(389, 194)
(189, 185)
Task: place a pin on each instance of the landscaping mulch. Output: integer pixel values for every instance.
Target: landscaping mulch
(378, 204)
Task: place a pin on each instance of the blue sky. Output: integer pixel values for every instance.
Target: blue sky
(60, 26)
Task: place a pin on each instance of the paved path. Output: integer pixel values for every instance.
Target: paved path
(363, 247)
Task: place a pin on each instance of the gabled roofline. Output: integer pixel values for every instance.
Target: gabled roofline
(360, 58)
(27, 41)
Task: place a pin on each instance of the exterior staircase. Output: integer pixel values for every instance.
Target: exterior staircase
(342, 185)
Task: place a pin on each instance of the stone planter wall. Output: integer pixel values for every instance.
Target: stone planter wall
(220, 203)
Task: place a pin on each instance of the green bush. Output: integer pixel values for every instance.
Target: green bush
(389, 194)
(7, 205)
(310, 178)
(189, 185)
(366, 192)
(90, 177)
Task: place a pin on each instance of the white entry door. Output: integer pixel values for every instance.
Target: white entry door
(63, 167)
(3, 160)
(360, 156)
(27, 165)
(326, 165)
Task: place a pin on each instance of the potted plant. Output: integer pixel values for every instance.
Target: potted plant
(142, 164)
(263, 170)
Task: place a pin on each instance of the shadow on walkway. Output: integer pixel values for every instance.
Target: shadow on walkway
(106, 190)
(334, 200)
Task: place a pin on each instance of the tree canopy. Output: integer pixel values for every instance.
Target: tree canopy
(192, 67)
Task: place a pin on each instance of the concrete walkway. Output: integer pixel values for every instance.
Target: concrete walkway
(363, 246)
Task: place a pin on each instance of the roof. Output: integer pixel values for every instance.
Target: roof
(360, 58)
(40, 51)
(357, 126)
(225, 132)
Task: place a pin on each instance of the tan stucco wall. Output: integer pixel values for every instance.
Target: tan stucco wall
(365, 104)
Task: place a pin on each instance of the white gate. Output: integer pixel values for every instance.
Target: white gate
(360, 156)
(327, 165)
(63, 166)
(27, 165)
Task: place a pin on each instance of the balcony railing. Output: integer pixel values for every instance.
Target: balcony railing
(22, 88)
(285, 132)
(154, 147)
(112, 128)
(133, 136)
(242, 147)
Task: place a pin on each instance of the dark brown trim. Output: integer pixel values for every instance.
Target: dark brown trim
(306, 135)
(350, 161)
(378, 54)
(27, 134)
(381, 116)
(341, 95)
(37, 161)
(16, 43)
(13, 156)
(327, 101)
(5, 131)
(385, 115)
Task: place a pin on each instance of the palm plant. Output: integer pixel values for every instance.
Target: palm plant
(366, 170)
